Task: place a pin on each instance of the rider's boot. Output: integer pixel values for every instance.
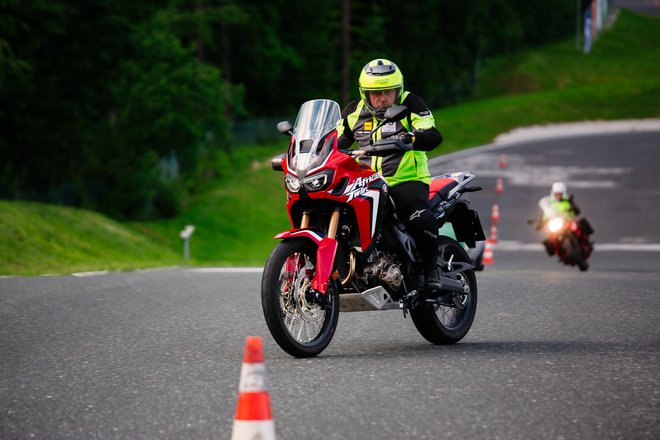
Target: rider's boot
(432, 283)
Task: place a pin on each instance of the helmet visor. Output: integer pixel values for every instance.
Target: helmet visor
(382, 98)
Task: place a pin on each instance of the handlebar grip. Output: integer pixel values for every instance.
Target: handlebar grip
(408, 138)
(387, 147)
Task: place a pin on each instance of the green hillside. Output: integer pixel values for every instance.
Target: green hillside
(43, 239)
(619, 79)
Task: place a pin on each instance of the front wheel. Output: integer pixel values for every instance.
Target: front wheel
(301, 320)
(574, 250)
(445, 324)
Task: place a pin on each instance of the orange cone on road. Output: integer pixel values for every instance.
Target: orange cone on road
(500, 186)
(253, 419)
(495, 215)
(488, 254)
(502, 161)
(493, 234)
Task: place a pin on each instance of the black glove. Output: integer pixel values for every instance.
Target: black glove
(408, 138)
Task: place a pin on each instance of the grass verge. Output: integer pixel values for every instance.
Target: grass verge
(43, 239)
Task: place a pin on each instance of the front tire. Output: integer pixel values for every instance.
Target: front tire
(576, 254)
(444, 325)
(301, 322)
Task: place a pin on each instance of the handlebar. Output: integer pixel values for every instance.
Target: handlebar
(383, 147)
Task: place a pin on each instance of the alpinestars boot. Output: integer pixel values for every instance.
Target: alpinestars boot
(431, 281)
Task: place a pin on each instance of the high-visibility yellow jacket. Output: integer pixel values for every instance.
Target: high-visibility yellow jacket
(357, 126)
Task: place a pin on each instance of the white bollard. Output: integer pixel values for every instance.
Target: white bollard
(185, 236)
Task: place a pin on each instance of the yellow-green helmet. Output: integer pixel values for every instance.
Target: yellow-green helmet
(380, 74)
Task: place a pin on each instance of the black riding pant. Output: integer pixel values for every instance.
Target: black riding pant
(412, 206)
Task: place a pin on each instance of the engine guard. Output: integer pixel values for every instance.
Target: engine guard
(326, 250)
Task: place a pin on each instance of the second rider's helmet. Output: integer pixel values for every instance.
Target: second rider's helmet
(559, 188)
(379, 75)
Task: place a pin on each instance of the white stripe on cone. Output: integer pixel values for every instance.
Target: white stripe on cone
(253, 378)
(253, 430)
(488, 254)
(499, 188)
(493, 234)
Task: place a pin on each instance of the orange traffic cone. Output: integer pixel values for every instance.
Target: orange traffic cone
(502, 161)
(493, 234)
(253, 415)
(495, 216)
(488, 254)
(500, 186)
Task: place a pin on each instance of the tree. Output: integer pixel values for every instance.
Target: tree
(112, 89)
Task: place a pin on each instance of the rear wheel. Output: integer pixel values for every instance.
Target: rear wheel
(301, 320)
(448, 324)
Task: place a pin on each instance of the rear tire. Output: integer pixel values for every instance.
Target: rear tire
(301, 323)
(443, 325)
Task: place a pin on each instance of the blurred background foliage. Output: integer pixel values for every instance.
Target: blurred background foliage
(127, 107)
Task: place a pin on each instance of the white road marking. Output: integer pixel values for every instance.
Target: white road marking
(574, 129)
(91, 273)
(520, 173)
(227, 269)
(517, 246)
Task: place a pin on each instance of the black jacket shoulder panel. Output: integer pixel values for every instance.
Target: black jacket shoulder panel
(350, 108)
(346, 139)
(415, 104)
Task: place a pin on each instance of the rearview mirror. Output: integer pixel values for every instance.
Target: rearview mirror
(276, 162)
(285, 127)
(392, 114)
(396, 113)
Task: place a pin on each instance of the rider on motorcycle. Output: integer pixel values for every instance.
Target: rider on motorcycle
(560, 202)
(407, 173)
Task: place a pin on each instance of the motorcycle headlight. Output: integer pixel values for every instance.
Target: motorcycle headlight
(555, 224)
(318, 181)
(292, 183)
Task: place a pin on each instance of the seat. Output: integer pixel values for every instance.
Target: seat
(439, 189)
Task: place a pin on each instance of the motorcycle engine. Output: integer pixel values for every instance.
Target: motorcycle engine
(386, 271)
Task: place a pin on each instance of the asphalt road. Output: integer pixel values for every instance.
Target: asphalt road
(553, 353)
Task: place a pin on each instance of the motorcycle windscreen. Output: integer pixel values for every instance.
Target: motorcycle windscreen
(316, 119)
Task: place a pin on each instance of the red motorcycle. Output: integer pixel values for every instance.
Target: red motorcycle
(568, 238)
(348, 251)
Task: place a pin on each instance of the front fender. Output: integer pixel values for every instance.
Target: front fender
(313, 234)
(326, 250)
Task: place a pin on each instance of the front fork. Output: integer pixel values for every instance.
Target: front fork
(325, 253)
(326, 250)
